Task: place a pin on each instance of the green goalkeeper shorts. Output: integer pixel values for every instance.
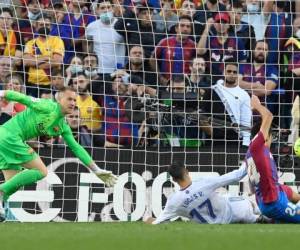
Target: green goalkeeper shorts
(13, 151)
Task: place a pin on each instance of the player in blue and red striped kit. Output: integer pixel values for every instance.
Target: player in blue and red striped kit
(275, 201)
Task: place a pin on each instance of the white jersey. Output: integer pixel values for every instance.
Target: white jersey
(201, 203)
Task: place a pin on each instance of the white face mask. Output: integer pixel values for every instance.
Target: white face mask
(91, 73)
(298, 34)
(75, 69)
(252, 8)
(106, 17)
(32, 16)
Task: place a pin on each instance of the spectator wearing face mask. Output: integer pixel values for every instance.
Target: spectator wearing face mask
(166, 18)
(267, 19)
(255, 17)
(41, 54)
(33, 11)
(98, 81)
(107, 43)
(90, 66)
(74, 68)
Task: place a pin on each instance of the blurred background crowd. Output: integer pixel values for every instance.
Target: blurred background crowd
(149, 73)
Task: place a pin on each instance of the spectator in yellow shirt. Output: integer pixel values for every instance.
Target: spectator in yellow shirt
(42, 54)
(90, 112)
(10, 44)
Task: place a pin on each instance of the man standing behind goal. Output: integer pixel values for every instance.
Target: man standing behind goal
(43, 117)
(199, 201)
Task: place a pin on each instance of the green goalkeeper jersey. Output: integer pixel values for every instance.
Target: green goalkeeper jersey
(43, 117)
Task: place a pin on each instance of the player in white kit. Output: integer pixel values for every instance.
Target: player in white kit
(199, 201)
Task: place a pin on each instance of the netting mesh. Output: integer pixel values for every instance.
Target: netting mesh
(156, 81)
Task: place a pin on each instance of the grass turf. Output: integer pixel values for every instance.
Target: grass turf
(136, 235)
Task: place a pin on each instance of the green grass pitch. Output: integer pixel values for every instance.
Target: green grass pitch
(136, 235)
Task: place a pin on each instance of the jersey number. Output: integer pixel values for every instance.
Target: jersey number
(195, 213)
(291, 209)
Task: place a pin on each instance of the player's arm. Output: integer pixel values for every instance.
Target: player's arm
(168, 213)
(266, 116)
(245, 120)
(11, 95)
(226, 179)
(40, 105)
(106, 176)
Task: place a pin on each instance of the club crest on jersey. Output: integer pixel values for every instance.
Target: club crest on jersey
(56, 129)
(89, 110)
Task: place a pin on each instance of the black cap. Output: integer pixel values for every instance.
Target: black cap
(57, 3)
(142, 6)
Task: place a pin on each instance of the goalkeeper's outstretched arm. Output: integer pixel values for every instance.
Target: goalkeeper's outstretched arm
(11, 95)
(37, 104)
(106, 176)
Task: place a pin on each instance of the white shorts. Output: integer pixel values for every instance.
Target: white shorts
(242, 210)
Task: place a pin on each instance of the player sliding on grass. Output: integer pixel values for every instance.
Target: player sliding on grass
(274, 200)
(199, 201)
(43, 117)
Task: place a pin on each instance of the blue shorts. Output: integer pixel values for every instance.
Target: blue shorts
(281, 210)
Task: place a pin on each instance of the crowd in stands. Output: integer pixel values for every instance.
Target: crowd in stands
(149, 73)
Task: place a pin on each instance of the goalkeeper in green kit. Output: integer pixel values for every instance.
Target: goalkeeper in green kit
(43, 117)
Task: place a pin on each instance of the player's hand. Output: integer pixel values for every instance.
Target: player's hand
(149, 220)
(106, 176)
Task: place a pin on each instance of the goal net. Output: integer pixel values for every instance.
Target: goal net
(156, 82)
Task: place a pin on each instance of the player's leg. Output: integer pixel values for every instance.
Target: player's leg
(242, 210)
(262, 173)
(35, 171)
(289, 211)
(8, 174)
(282, 211)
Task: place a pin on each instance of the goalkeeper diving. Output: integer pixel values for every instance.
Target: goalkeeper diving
(20, 164)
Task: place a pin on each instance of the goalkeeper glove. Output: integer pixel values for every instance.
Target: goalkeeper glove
(106, 176)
